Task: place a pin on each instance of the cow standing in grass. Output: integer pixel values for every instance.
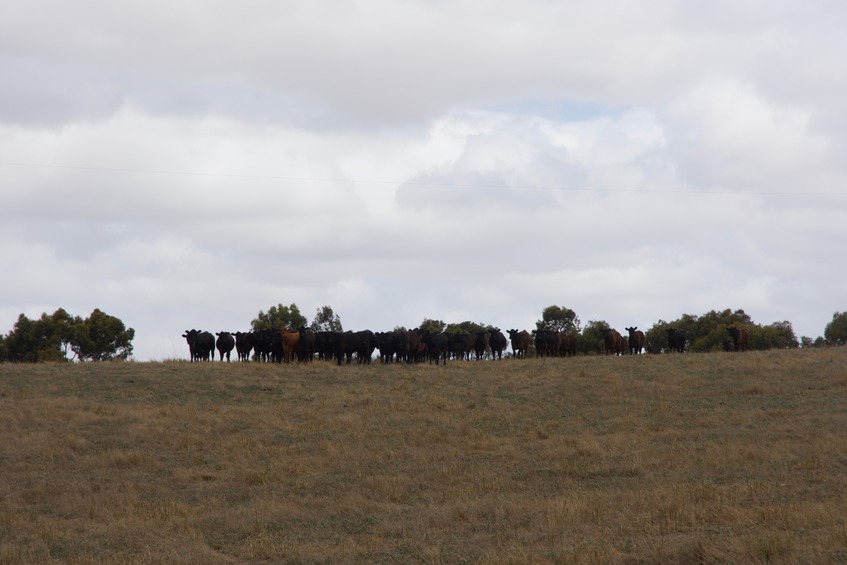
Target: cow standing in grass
(566, 344)
(225, 344)
(676, 340)
(740, 338)
(362, 344)
(521, 342)
(200, 344)
(243, 345)
(306, 345)
(613, 341)
(437, 346)
(461, 345)
(636, 340)
(289, 344)
(497, 342)
(545, 343)
(480, 344)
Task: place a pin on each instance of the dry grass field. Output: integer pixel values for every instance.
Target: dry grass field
(701, 458)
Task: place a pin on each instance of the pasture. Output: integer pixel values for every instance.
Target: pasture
(701, 458)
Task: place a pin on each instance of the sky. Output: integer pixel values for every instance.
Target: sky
(187, 164)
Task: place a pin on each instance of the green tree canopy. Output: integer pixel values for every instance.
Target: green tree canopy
(708, 332)
(30, 342)
(778, 335)
(102, 337)
(326, 321)
(656, 339)
(54, 337)
(558, 319)
(835, 332)
(433, 326)
(591, 340)
(278, 317)
(467, 327)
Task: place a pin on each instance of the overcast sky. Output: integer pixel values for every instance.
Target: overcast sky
(185, 164)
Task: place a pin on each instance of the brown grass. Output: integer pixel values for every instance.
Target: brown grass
(702, 458)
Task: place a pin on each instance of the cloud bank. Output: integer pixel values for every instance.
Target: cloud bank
(188, 166)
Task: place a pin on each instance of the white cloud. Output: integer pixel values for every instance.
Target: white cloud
(189, 166)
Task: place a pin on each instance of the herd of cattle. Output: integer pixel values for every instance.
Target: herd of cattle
(418, 345)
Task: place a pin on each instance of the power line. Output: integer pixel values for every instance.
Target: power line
(418, 183)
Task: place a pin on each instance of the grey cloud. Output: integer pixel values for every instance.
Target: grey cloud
(389, 63)
(189, 167)
(49, 92)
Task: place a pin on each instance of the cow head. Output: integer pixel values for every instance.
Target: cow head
(191, 336)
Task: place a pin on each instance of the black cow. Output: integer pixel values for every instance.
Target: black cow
(346, 345)
(461, 345)
(263, 342)
(367, 345)
(388, 344)
(480, 344)
(546, 343)
(403, 345)
(437, 346)
(676, 340)
(200, 344)
(361, 343)
(497, 341)
(307, 345)
(243, 345)
(740, 338)
(267, 345)
(636, 340)
(225, 344)
(325, 345)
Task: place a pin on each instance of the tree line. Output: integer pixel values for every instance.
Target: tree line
(101, 337)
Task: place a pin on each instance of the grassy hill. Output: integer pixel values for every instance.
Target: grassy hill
(710, 458)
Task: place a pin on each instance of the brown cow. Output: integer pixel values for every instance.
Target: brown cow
(521, 341)
(613, 342)
(414, 347)
(567, 344)
(289, 344)
(740, 338)
(636, 340)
